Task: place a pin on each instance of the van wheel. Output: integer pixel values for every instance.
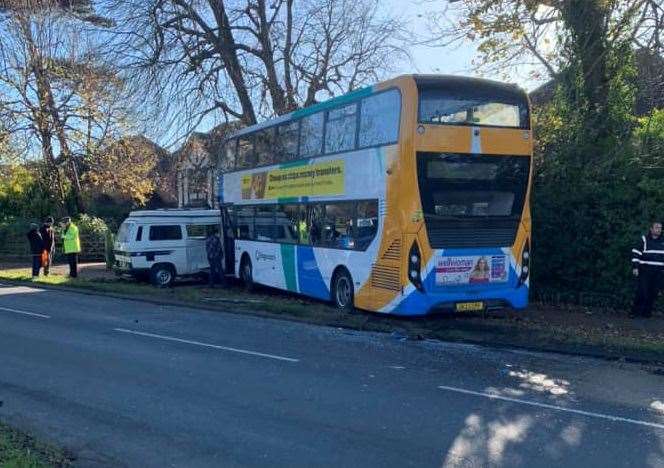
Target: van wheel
(342, 291)
(162, 276)
(247, 275)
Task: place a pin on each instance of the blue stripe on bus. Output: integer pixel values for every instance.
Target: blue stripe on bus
(309, 277)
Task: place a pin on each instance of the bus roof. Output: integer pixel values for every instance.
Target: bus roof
(420, 80)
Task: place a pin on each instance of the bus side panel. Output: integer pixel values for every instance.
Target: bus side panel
(387, 277)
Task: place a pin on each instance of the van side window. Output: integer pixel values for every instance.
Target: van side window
(197, 231)
(159, 233)
(139, 233)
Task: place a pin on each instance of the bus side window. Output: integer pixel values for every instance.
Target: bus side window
(311, 135)
(379, 119)
(316, 223)
(264, 227)
(244, 222)
(340, 129)
(291, 226)
(339, 231)
(366, 223)
(245, 156)
(265, 146)
(287, 138)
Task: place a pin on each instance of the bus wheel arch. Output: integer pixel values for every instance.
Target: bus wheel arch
(162, 275)
(342, 291)
(246, 272)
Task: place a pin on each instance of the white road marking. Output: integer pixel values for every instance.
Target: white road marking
(24, 312)
(206, 345)
(591, 414)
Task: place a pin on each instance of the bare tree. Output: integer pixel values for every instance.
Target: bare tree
(247, 59)
(58, 90)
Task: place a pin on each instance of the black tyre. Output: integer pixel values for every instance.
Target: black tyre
(342, 291)
(162, 276)
(247, 274)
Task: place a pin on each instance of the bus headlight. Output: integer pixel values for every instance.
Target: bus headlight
(414, 266)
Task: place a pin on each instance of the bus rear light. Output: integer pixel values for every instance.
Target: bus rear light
(414, 266)
(525, 263)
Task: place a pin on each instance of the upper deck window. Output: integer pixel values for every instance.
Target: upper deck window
(473, 106)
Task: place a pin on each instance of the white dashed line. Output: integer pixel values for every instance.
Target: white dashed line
(24, 312)
(591, 414)
(206, 345)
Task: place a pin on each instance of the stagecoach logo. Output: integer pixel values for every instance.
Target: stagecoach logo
(263, 256)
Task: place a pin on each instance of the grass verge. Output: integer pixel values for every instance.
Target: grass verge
(575, 331)
(19, 450)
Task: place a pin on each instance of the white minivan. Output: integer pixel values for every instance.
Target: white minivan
(164, 244)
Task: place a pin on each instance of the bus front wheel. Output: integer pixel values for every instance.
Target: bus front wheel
(342, 291)
(246, 273)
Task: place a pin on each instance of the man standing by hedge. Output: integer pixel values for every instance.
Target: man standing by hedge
(648, 267)
(72, 245)
(48, 236)
(36, 248)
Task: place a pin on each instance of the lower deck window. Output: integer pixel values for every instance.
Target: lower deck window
(341, 225)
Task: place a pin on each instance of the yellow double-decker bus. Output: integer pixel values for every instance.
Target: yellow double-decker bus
(407, 197)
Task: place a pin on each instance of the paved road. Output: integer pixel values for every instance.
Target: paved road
(124, 383)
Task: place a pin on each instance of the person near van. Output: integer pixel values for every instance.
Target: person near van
(72, 245)
(48, 236)
(648, 268)
(36, 248)
(215, 255)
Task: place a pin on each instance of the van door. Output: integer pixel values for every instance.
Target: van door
(196, 255)
(228, 238)
(165, 245)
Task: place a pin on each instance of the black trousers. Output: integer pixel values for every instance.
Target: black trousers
(72, 259)
(36, 265)
(649, 284)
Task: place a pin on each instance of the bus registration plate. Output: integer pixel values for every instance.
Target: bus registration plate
(469, 306)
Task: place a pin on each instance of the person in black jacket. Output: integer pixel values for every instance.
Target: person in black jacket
(48, 236)
(648, 267)
(36, 248)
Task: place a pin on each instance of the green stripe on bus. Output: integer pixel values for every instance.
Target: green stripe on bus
(288, 263)
(299, 162)
(346, 98)
(288, 200)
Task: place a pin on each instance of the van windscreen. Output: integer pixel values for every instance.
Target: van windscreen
(124, 232)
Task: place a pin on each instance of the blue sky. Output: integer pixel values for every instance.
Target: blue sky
(456, 60)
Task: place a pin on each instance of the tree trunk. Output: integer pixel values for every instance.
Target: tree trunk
(587, 22)
(49, 119)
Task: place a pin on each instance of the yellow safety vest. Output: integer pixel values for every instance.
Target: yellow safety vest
(303, 232)
(71, 239)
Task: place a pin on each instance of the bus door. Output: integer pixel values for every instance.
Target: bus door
(228, 238)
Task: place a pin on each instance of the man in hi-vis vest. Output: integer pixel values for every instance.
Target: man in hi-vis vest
(648, 267)
(72, 245)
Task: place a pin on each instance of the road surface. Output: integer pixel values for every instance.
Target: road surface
(126, 383)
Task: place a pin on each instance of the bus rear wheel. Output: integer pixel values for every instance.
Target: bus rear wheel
(246, 274)
(342, 291)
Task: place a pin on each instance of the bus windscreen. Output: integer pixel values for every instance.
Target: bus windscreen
(475, 107)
